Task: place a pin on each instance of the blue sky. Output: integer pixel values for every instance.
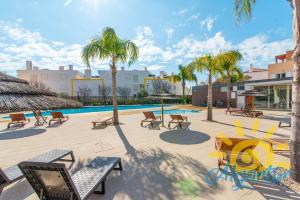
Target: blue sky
(168, 32)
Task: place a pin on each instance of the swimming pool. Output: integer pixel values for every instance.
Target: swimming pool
(176, 112)
(92, 109)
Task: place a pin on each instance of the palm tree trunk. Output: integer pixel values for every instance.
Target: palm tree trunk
(183, 88)
(209, 98)
(114, 86)
(228, 93)
(295, 136)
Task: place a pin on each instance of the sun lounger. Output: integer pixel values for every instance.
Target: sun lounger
(177, 119)
(286, 124)
(105, 121)
(150, 117)
(54, 181)
(279, 145)
(12, 174)
(226, 148)
(235, 111)
(18, 118)
(40, 119)
(58, 117)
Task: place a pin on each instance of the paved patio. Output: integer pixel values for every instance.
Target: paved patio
(158, 163)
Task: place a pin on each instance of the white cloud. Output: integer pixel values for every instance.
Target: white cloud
(67, 2)
(208, 23)
(189, 47)
(17, 33)
(193, 17)
(19, 20)
(183, 11)
(169, 32)
(155, 67)
(19, 44)
(259, 51)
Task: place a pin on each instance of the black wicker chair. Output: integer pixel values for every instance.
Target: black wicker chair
(52, 181)
(12, 174)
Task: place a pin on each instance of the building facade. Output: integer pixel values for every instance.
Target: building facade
(275, 83)
(132, 80)
(58, 81)
(151, 82)
(71, 82)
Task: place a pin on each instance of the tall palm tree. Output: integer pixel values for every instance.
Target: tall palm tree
(227, 62)
(245, 7)
(207, 63)
(185, 74)
(109, 46)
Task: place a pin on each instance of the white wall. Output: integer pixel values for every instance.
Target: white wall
(94, 85)
(257, 75)
(58, 81)
(133, 79)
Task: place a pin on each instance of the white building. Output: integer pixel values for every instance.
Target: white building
(131, 79)
(255, 73)
(73, 83)
(163, 77)
(58, 81)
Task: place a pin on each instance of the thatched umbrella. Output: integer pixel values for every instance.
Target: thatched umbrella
(17, 95)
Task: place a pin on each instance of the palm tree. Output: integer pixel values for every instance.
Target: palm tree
(230, 72)
(245, 7)
(185, 74)
(109, 46)
(207, 63)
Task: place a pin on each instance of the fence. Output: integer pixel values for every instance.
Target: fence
(100, 100)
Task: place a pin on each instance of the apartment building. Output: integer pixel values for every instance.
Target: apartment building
(165, 80)
(58, 81)
(275, 82)
(71, 82)
(132, 80)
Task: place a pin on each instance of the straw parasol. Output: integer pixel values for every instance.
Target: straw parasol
(17, 95)
(162, 96)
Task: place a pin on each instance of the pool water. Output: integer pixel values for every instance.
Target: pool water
(92, 109)
(176, 112)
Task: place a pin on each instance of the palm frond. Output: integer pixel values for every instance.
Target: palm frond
(243, 8)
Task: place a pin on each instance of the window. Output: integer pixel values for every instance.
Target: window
(240, 87)
(135, 87)
(277, 75)
(135, 78)
(283, 75)
(223, 89)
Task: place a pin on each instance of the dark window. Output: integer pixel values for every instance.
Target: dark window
(277, 75)
(240, 87)
(283, 75)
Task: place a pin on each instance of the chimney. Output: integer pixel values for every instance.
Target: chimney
(251, 68)
(122, 68)
(28, 65)
(61, 68)
(71, 67)
(146, 69)
(87, 73)
(162, 74)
